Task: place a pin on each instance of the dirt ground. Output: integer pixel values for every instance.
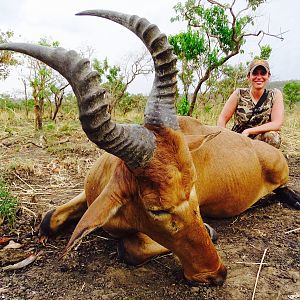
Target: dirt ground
(42, 180)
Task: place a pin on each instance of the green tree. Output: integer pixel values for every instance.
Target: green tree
(291, 93)
(112, 80)
(132, 102)
(183, 106)
(6, 57)
(58, 91)
(214, 34)
(46, 85)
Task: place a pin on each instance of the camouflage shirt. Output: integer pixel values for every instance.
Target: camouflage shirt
(245, 108)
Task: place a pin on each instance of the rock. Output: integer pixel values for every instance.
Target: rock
(294, 276)
(195, 289)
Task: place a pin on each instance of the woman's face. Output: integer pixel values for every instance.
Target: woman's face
(259, 77)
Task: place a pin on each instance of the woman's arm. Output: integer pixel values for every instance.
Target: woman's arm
(228, 109)
(277, 115)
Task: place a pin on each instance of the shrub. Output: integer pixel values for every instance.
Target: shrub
(291, 93)
(183, 106)
(8, 204)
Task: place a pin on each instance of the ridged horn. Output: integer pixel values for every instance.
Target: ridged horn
(160, 110)
(134, 144)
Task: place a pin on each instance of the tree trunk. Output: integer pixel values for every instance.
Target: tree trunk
(26, 98)
(38, 117)
(197, 89)
(38, 122)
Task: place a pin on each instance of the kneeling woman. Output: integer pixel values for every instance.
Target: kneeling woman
(258, 113)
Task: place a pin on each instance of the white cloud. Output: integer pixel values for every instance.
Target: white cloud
(33, 19)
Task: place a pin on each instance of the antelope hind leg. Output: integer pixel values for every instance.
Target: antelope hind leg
(138, 248)
(287, 195)
(55, 219)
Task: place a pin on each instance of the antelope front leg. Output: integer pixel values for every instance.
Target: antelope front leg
(55, 219)
(137, 249)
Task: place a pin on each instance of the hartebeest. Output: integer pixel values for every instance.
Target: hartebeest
(147, 189)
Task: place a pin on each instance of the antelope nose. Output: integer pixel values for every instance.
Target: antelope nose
(220, 277)
(216, 278)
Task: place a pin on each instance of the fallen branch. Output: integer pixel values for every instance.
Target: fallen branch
(24, 181)
(29, 210)
(248, 263)
(63, 141)
(82, 287)
(22, 264)
(34, 144)
(257, 276)
(293, 230)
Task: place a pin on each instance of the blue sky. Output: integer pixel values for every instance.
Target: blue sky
(33, 19)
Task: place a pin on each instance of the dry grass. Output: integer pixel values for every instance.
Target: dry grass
(291, 131)
(16, 126)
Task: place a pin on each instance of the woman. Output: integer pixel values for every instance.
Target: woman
(263, 122)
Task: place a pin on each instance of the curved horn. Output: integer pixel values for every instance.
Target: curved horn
(134, 144)
(160, 110)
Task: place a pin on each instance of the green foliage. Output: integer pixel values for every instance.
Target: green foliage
(232, 77)
(265, 52)
(291, 92)
(210, 28)
(111, 79)
(8, 204)
(6, 57)
(255, 3)
(45, 42)
(46, 85)
(183, 106)
(109, 75)
(69, 107)
(215, 32)
(50, 126)
(131, 102)
(6, 102)
(39, 83)
(187, 45)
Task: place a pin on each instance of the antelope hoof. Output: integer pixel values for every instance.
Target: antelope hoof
(45, 228)
(212, 233)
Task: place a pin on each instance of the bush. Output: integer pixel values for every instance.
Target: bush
(7, 103)
(131, 102)
(8, 204)
(183, 106)
(291, 93)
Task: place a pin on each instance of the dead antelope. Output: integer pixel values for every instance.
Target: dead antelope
(149, 188)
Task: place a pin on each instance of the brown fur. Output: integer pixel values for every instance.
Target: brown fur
(157, 207)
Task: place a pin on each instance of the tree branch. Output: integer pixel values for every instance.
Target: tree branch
(278, 36)
(217, 3)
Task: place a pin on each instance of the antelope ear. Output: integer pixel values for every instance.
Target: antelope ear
(98, 213)
(196, 141)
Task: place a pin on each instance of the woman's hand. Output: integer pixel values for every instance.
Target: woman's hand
(246, 132)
